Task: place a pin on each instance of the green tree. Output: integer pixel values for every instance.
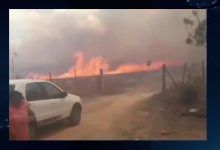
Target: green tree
(197, 35)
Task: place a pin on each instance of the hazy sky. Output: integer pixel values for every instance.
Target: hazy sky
(46, 40)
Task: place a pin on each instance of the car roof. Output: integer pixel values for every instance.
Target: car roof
(24, 81)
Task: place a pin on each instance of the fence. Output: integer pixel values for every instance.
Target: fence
(118, 83)
(197, 70)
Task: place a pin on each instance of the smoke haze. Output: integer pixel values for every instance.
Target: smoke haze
(47, 40)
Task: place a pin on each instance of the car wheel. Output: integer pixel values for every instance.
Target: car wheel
(33, 131)
(75, 116)
(32, 125)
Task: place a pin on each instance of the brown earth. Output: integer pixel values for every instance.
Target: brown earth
(134, 115)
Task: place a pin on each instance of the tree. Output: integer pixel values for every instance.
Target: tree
(196, 35)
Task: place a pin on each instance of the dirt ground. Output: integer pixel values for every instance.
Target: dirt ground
(133, 115)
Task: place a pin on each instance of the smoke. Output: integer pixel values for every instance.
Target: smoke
(47, 40)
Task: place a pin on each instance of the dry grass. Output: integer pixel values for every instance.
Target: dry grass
(166, 116)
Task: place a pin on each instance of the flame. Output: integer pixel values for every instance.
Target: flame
(83, 68)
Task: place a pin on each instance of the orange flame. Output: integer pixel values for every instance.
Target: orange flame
(83, 68)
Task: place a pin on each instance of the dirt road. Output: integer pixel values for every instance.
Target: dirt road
(104, 118)
(133, 115)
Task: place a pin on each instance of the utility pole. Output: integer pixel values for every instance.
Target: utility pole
(13, 65)
(163, 78)
(148, 63)
(13, 68)
(75, 77)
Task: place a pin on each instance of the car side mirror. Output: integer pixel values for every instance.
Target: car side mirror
(63, 94)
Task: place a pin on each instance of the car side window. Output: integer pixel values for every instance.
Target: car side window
(51, 90)
(35, 92)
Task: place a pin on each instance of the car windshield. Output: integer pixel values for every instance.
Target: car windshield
(11, 88)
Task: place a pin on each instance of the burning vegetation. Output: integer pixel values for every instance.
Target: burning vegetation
(93, 66)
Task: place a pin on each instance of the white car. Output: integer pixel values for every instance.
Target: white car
(47, 103)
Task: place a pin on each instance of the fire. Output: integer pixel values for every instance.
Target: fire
(83, 68)
(127, 68)
(92, 67)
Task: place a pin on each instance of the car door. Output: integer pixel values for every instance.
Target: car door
(57, 100)
(38, 102)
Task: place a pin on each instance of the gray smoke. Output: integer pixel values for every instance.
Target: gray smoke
(46, 40)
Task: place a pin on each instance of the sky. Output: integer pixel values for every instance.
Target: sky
(46, 40)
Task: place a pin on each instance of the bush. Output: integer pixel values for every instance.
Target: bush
(188, 94)
(193, 91)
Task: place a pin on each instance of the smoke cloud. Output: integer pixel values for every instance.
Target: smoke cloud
(47, 40)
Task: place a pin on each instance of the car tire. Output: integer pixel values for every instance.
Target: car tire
(75, 115)
(32, 125)
(33, 131)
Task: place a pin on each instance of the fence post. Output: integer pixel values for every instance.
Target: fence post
(163, 78)
(184, 72)
(172, 79)
(101, 80)
(189, 76)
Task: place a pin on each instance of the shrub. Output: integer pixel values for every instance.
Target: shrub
(188, 94)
